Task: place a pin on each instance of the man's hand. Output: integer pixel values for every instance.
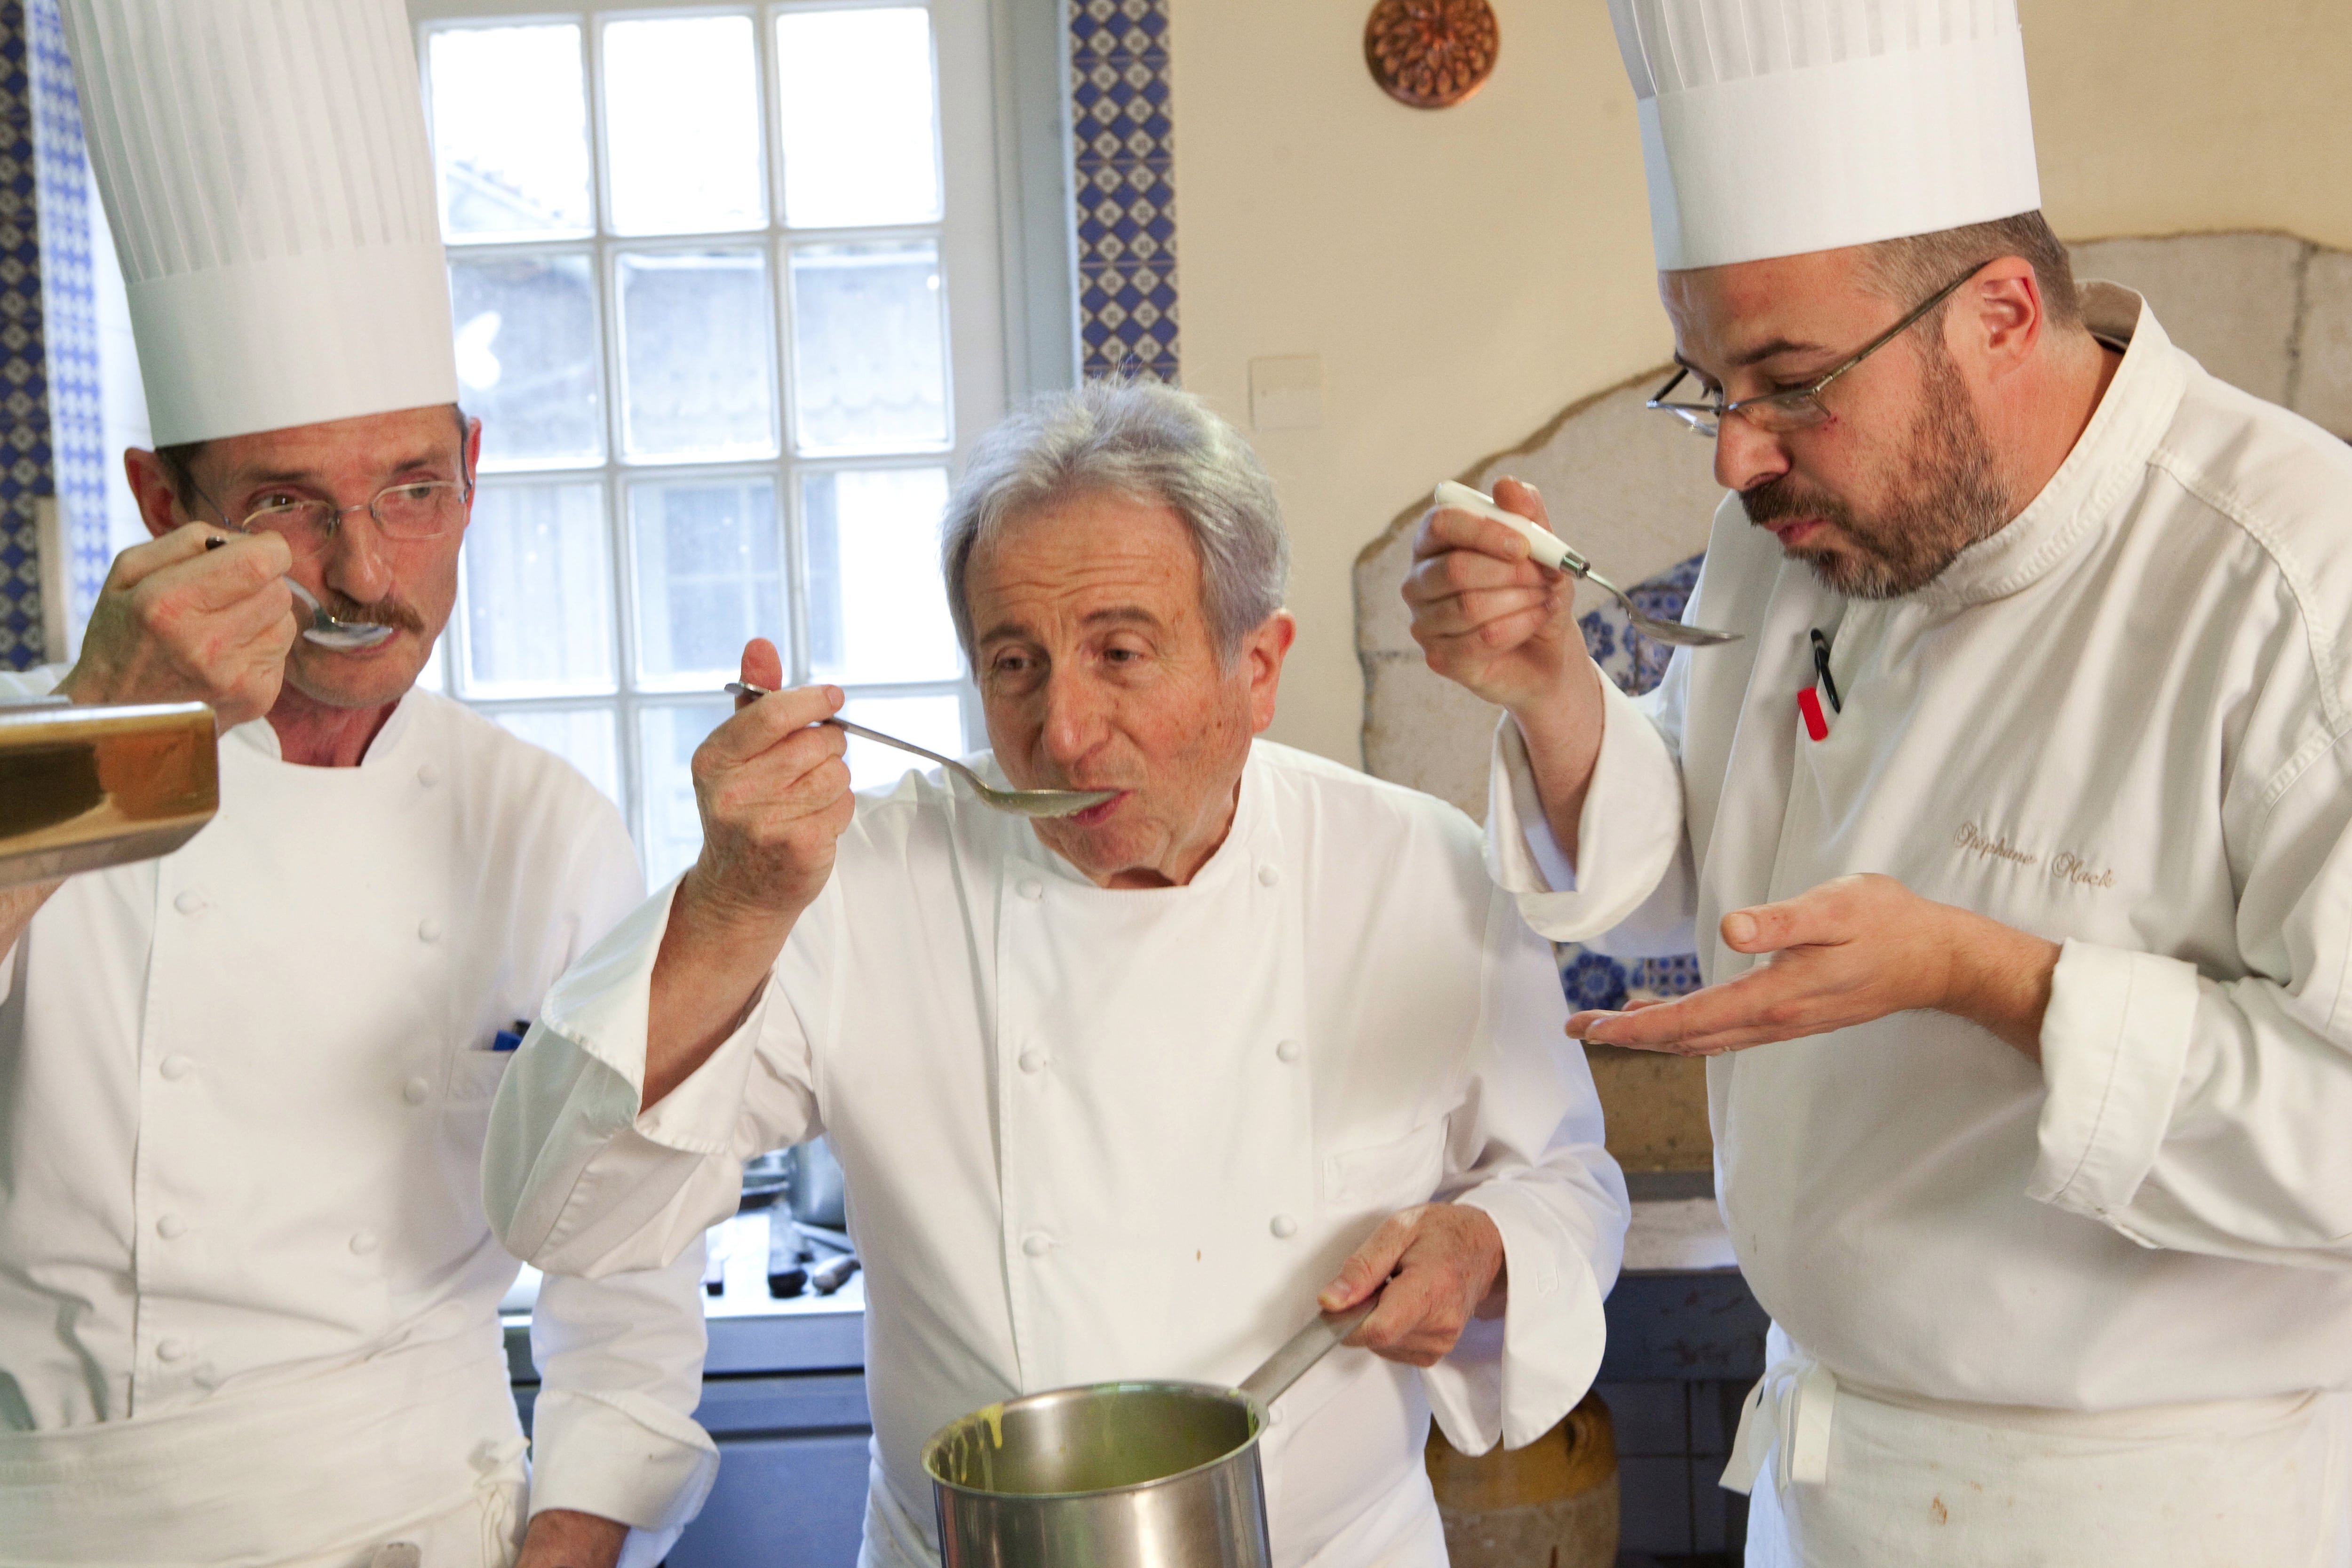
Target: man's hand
(177, 622)
(560, 1538)
(774, 797)
(1488, 618)
(1443, 1265)
(1850, 951)
(1485, 614)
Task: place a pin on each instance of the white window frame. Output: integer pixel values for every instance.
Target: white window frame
(999, 220)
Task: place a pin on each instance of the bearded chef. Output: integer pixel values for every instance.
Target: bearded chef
(2015, 825)
(1117, 1095)
(248, 1297)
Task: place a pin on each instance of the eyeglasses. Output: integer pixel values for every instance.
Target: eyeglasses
(1796, 407)
(418, 508)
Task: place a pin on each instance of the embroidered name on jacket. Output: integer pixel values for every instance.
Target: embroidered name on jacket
(2064, 867)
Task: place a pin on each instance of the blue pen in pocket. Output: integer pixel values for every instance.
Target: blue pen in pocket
(508, 1040)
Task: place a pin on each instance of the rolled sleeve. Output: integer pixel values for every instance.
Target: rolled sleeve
(1630, 839)
(2115, 1044)
(1514, 1381)
(575, 1177)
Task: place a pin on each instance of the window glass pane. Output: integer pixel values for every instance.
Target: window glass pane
(867, 347)
(709, 576)
(527, 358)
(878, 606)
(860, 128)
(584, 737)
(694, 356)
(539, 591)
(933, 722)
(509, 130)
(667, 738)
(682, 125)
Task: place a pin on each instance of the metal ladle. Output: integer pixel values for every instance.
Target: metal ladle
(1551, 551)
(1043, 803)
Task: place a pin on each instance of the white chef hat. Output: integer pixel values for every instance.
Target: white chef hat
(1776, 127)
(265, 169)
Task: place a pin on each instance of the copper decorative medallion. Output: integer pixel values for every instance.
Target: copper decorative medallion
(1431, 53)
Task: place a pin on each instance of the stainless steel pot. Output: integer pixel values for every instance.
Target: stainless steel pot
(1118, 1475)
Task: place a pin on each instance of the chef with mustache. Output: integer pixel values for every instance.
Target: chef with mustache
(248, 1295)
(2013, 832)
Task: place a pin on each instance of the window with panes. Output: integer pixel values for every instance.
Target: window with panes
(701, 307)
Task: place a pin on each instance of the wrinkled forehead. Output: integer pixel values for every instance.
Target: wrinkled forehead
(1086, 560)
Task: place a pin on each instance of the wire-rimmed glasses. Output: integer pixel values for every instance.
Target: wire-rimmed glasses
(1795, 407)
(411, 510)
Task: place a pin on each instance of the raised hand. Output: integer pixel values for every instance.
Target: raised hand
(774, 796)
(1486, 616)
(197, 614)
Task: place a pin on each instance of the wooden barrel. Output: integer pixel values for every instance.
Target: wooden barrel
(1552, 1504)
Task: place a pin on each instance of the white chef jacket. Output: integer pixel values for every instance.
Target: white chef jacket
(1091, 1134)
(242, 1093)
(2119, 723)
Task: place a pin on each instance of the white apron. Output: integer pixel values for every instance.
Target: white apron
(1843, 1475)
(426, 1440)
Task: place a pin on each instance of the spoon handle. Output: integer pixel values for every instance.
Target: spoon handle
(745, 689)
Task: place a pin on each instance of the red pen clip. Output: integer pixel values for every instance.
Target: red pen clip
(1808, 704)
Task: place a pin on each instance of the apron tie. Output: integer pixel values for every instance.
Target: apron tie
(1788, 1415)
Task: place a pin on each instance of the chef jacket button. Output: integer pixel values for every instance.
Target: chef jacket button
(1286, 1051)
(1032, 889)
(1033, 1060)
(174, 1067)
(428, 930)
(1268, 876)
(428, 775)
(189, 902)
(1284, 1227)
(171, 1228)
(416, 1090)
(364, 1243)
(1274, 1417)
(171, 1350)
(1037, 1244)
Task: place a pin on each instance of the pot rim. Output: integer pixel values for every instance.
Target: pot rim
(1256, 1410)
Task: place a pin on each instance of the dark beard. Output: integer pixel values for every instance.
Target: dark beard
(1951, 500)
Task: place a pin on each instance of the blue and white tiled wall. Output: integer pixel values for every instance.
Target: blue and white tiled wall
(24, 371)
(70, 310)
(1123, 187)
(1636, 664)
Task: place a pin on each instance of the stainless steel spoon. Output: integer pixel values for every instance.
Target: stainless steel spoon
(328, 631)
(1554, 551)
(1047, 802)
(325, 629)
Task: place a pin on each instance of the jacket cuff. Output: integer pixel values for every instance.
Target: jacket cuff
(619, 1456)
(1627, 833)
(1517, 1384)
(2115, 1044)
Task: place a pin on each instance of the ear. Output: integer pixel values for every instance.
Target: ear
(1262, 653)
(472, 460)
(151, 486)
(1997, 319)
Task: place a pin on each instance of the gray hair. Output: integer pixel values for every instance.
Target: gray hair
(1139, 439)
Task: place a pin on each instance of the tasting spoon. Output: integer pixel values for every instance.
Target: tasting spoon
(1046, 803)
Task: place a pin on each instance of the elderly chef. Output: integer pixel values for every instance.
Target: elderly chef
(248, 1297)
(2015, 826)
(1122, 1094)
